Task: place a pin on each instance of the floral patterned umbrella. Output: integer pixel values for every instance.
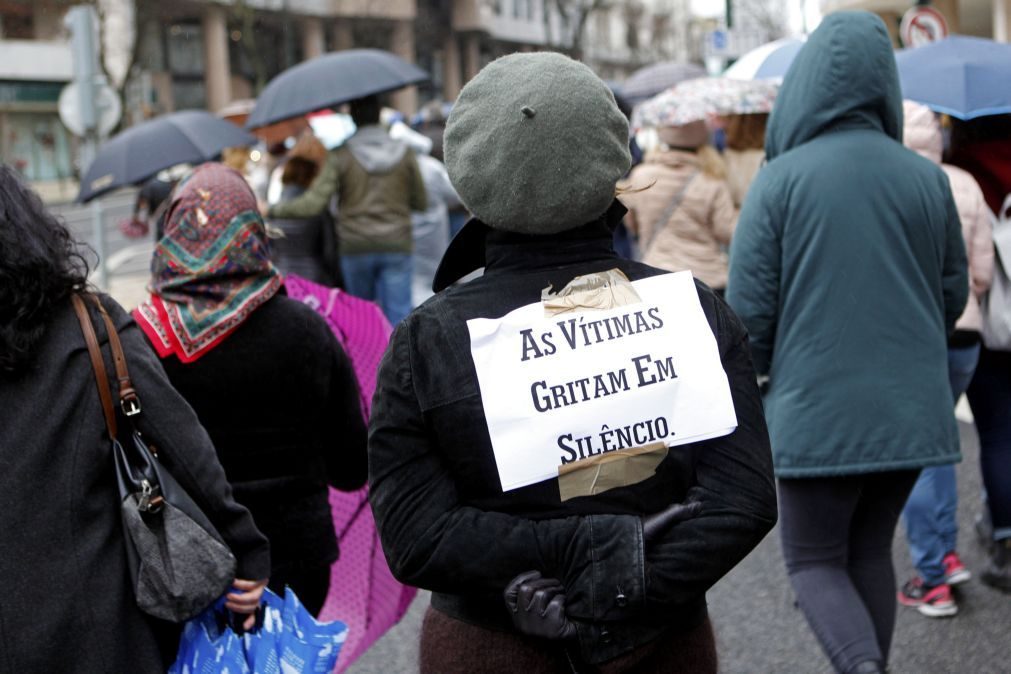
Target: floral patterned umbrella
(700, 98)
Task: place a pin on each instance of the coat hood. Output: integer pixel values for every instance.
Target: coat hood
(373, 148)
(420, 143)
(921, 131)
(843, 77)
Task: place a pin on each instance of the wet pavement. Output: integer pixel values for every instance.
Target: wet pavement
(759, 630)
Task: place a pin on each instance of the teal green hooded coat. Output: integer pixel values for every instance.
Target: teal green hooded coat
(848, 268)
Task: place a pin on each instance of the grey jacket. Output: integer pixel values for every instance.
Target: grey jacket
(378, 184)
(67, 604)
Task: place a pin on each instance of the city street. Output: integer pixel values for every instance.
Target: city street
(372, 262)
(128, 260)
(760, 632)
(758, 628)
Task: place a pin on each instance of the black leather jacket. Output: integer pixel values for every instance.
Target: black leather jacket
(447, 526)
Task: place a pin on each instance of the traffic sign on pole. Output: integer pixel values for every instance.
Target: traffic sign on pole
(922, 25)
(107, 104)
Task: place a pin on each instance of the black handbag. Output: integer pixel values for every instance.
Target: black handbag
(179, 564)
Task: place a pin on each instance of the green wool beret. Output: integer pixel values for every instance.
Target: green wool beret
(535, 144)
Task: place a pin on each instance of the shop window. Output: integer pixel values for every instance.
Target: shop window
(36, 144)
(186, 49)
(188, 93)
(151, 47)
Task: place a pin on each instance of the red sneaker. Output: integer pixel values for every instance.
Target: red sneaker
(933, 602)
(955, 572)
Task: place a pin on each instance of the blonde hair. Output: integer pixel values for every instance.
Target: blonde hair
(623, 188)
(712, 163)
(235, 158)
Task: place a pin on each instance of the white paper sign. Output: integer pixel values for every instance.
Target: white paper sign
(556, 390)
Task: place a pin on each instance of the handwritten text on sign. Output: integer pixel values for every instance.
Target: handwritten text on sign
(556, 390)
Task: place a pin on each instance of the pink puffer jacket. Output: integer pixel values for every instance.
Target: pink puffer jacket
(922, 134)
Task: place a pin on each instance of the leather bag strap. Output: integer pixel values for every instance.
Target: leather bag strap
(97, 364)
(128, 399)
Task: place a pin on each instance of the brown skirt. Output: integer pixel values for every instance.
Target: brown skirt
(450, 646)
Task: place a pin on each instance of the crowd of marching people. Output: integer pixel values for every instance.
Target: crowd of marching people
(849, 289)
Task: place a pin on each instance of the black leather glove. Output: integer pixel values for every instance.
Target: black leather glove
(537, 606)
(654, 526)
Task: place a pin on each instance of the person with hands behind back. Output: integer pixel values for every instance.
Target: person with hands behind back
(523, 580)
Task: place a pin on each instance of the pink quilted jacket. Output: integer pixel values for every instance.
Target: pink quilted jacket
(922, 134)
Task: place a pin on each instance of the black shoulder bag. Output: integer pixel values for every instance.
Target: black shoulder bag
(179, 563)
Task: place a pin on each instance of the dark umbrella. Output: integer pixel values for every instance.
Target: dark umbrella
(964, 77)
(649, 81)
(619, 97)
(330, 80)
(133, 156)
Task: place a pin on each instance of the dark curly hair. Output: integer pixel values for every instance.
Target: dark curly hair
(40, 266)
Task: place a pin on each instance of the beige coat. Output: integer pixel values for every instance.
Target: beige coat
(742, 166)
(922, 134)
(697, 234)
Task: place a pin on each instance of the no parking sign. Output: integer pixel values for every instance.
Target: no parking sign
(922, 25)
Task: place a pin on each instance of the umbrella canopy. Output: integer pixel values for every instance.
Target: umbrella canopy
(961, 76)
(332, 79)
(651, 80)
(698, 99)
(619, 97)
(133, 156)
(768, 62)
(237, 112)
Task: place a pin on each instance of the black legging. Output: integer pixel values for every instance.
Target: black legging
(837, 542)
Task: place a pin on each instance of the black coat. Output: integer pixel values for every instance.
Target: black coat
(280, 400)
(446, 525)
(66, 604)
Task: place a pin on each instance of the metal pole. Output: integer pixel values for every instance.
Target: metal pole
(98, 229)
(98, 240)
(83, 24)
(97, 220)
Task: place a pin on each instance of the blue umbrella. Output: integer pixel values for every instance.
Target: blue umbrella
(329, 80)
(133, 156)
(965, 77)
(767, 62)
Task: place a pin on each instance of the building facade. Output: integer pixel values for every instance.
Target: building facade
(35, 64)
(166, 56)
(982, 18)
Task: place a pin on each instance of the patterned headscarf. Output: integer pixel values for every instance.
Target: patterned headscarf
(212, 268)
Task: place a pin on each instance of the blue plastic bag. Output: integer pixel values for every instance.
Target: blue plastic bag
(208, 646)
(289, 640)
